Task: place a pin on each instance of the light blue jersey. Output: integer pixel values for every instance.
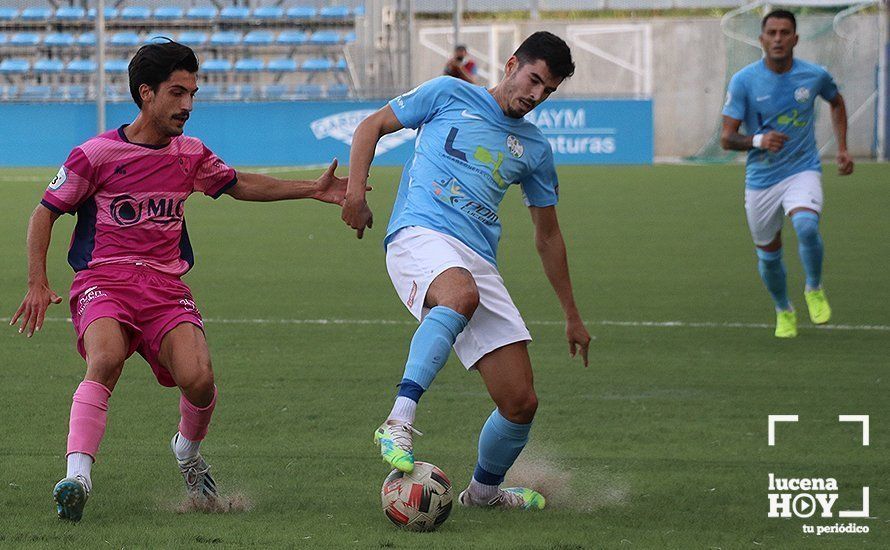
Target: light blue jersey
(764, 100)
(467, 154)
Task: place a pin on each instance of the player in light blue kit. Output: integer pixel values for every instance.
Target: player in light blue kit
(775, 99)
(441, 247)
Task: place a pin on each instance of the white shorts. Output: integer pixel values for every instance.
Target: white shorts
(416, 256)
(766, 208)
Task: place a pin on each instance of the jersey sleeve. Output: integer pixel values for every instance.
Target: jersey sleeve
(74, 183)
(736, 98)
(828, 88)
(420, 105)
(214, 177)
(541, 187)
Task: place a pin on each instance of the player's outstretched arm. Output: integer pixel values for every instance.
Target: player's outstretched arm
(258, 187)
(356, 212)
(839, 122)
(732, 140)
(552, 249)
(33, 309)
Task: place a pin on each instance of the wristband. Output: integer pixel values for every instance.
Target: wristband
(757, 141)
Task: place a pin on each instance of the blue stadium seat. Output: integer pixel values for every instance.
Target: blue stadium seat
(249, 65)
(338, 90)
(48, 66)
(325, 38)
(225, 38)
(158, 37)
(341, 65)
(234, 13)
(193, 38)
(349, 37)
(8, 92)
(87, 40)
(334, 12)
(359, 11)
(116, 66)
(24, 40)
(3, 38)
(14, 66)
(259, 38)
(317, 64)
(110, 13)
(59, 40)
(81, 66)
(116, 92)
(209, 91)
(201, 13)
(301, 13)
(308, 90)
(169, 13)
(291, 38)
(8, 14)
(216, 66)
(36, 14)
(135, 13)
(70, 13)
(243, 91)
(269, 13)
(73, 91)
(275, 91)
(282, 65)
(124, 39)
(36, 93)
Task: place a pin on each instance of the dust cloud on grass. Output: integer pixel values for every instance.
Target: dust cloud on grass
(223, 504)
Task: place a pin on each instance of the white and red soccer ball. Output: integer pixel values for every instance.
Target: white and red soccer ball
(419, 501)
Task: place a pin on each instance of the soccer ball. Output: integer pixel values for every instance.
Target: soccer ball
(419, 501)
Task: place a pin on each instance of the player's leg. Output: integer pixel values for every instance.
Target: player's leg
(452, 298)
(803, 202)
(107, 344)
(184, 353)
(507, 373)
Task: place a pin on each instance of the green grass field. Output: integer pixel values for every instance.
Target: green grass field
(661, 443)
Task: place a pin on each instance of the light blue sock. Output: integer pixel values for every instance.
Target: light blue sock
(431, 345)
(772, 271)
(809, 245)
(500, 443)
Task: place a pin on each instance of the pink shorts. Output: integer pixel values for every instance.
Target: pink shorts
(146, 301)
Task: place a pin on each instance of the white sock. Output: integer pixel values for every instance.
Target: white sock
(80, 464)
(403, 410)
(808, 288)
(482, 492)
(185, 449)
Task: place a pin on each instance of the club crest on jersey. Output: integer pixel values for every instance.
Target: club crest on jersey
(515, 146)
(185, 164)
(802, 94)
(60, 179)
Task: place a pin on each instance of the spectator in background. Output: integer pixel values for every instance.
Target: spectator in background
(460, 65)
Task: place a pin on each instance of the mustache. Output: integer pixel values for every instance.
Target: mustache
(181, 116)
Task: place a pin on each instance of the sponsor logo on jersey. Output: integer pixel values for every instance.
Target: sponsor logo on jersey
(515, 146)
(126, 210)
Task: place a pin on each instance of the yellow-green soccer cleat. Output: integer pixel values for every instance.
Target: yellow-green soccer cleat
(786, 324)
(396, 446)
(71, 496)
(817, 303)
(513, 498)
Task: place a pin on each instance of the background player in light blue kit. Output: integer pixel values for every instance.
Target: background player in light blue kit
(441, 248)
(775, 99)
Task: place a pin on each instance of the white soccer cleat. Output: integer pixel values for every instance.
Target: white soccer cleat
(199, 484)
(512, 498)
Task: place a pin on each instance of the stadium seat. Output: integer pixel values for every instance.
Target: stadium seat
(317, 64)
(349, 37)
(193, 38)
(209, 91)
(36, 93)
(169, 13)
(24, 40)
(135, 13)
(48, 66)
(158, 37)
(234, 13)
(116, 66)
(201, 13)
(325, 38)
(87, 40)
(124, 39)
(81, 66)
(8, 14)
(70, 13)
(3, 39)
(8, 92)
(249, 65)
(243, 91)
(291, 38)
(73, 91)
(275, 91)
(116, 93)
(225, 39)
(308, 90)
(282, 65)
(259, 38)
(301, 13)
(59, 40)
(359, 11)
(14, 66)
(269, 13)
(334, 12)
(110, 13)
(341, 65)
(216, 66)
(338, 90)
(36, 14)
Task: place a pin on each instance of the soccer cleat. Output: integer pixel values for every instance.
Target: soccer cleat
(513, 498)
(817, 303)
(396, 445)
(199, 484)
(71, 496)
(786, 324)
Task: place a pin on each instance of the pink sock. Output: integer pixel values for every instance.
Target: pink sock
(194, 422)
(89, 413)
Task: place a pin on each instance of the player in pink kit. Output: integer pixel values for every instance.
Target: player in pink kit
(130, 247)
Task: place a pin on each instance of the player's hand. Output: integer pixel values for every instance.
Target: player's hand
(33, 309)
(357, 215)
(578, 337)
(329, 188)
(773, 141)
(844, 163)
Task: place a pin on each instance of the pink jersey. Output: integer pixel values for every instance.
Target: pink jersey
(130, 199)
